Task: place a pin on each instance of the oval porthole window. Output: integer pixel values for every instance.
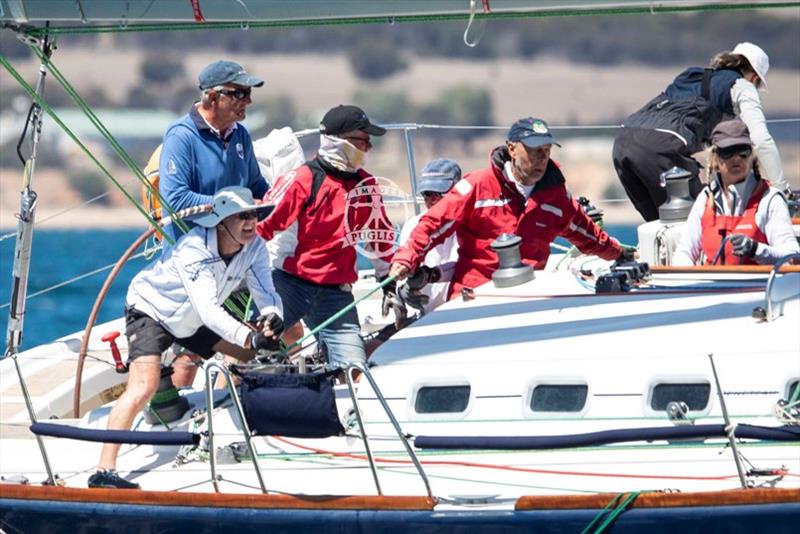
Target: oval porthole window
(695, 395)
(442, 399)
(559, 397)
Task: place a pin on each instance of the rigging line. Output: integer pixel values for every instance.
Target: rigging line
(71, 280)
(506, 467)
(46, 107)
(58, 214)
(112, 141)
(494, 15)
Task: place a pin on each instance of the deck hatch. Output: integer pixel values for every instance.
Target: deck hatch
(442, 399)
(559, 397)
(695, 395)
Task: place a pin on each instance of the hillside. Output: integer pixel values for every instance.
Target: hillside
(564, 93)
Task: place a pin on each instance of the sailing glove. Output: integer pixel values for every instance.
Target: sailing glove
(269, 343)
(743, 246)
(273, 321)
(627, 254)
(413, 297)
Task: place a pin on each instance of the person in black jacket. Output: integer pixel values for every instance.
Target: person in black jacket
(678, 122)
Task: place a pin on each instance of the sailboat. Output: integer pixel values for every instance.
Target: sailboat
(583, 397)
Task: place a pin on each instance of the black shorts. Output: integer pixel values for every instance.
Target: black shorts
(146, 336)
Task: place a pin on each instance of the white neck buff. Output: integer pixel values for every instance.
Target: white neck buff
(341, 154)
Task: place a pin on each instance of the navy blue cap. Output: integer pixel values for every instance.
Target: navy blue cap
(222, 72)
(531, 133)
(438, 176)
(343, 119)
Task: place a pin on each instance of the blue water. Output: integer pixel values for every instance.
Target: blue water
(60, 255)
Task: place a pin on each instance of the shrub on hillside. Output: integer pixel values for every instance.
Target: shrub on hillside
(161, 69)
(88, 184)
(373, 58)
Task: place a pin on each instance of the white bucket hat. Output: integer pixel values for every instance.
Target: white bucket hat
(230, 201)
(757, 57)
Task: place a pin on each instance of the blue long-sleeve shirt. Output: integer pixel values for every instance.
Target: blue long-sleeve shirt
(195, 163)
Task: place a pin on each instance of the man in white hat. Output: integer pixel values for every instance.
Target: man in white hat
(178, 298)
(678, 123)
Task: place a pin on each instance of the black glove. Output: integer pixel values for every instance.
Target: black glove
(627, 254)
(273, 320)
(269, 343)
(413, 297)
(743, 246)
(423, 276)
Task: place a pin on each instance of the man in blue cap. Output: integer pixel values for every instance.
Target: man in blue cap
(208, 149)
(435, 180)
(522, 192)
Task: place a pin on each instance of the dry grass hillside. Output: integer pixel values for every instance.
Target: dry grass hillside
(563, 93)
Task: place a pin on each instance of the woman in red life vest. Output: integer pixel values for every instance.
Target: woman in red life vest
(737, 208)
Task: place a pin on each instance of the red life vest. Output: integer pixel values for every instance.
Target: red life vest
(716, 227)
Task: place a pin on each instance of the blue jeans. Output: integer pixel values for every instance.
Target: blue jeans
(315, 303)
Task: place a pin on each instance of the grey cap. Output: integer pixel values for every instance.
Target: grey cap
(222, 72)
(730, 133)
(438, 176)
(230, 201)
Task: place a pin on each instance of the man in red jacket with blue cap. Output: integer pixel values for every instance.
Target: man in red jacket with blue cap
(522, 192)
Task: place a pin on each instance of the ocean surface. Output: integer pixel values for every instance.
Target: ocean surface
(59, 256)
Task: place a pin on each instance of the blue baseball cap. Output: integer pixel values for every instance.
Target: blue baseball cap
(438, 176)
(531, 133)
(222, 72)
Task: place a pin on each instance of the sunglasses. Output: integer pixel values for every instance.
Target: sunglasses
(247, 215)
(238, 94)
(433, 195)
(728, 152)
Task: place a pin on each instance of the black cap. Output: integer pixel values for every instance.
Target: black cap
(343, 119)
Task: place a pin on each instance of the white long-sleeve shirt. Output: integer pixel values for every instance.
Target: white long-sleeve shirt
(185, 288)
(772, 218)
(443, 257)
(747, 106)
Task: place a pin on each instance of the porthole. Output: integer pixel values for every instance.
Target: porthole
(695, 395)
(558, 397)
(442, 399)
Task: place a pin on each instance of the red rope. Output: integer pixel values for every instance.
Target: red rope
(511, 468)
(198, 13)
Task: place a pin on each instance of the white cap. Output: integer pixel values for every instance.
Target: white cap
(757, 57)
(230, 201)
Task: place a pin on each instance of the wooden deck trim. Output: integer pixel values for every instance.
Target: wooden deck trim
(222, 500)
(388, 503)
(664, 500)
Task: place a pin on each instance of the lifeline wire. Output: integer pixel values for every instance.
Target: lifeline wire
(338, 21)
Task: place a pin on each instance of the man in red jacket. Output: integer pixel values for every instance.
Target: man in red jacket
(324, 210)
(522, 192)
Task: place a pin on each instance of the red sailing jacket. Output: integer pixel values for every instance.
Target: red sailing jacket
(716, 227)
(346, 210)
(485, 204)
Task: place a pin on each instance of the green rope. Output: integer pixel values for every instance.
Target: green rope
(341, 312)
(795, 394)
(112, 141)
(610, 513)
(46, 107)
(337, 21)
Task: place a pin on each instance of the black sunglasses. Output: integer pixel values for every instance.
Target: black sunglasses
(739, 150)
(238, 94)
(246, 215)
(432, 194)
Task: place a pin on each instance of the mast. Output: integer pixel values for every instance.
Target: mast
(24, 241)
